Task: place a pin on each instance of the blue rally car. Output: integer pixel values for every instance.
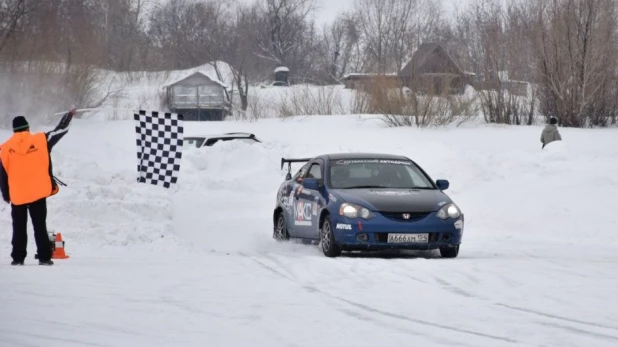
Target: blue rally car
(365, 202)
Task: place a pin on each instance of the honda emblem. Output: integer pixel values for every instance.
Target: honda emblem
(406, 216)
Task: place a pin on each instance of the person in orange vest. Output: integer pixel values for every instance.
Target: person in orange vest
(26, 181)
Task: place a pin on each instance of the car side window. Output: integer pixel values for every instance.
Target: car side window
(315, 171)
(301, 173)
(211, 142)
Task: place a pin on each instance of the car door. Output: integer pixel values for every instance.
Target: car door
(290, 201)
(306, 210)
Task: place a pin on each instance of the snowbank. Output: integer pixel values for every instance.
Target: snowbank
(194, 264)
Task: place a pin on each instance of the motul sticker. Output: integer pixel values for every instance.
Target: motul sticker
(343, 226)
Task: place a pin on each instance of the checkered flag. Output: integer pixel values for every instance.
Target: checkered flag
(159, 147)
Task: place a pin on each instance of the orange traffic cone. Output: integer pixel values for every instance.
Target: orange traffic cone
(59, 248)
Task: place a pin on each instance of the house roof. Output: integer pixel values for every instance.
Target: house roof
(424, 51)
(198, 75)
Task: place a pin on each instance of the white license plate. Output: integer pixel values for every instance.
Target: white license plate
(408, 238)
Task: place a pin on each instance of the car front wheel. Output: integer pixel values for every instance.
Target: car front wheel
(327, 240)
(449, 252)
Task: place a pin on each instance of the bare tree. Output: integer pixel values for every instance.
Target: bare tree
(11, 12)
(340, 49)
(187, 33)
(392, 29)
(576, 47)
(285, 35)
(499, 49)
(239, 51)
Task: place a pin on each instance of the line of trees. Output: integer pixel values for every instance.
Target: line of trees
(568, 48)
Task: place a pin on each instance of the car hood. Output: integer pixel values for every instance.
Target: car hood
(395, 200)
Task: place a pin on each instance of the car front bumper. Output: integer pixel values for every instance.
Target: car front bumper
(359, 234)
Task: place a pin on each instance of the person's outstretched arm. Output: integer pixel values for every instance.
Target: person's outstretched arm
(61, 129)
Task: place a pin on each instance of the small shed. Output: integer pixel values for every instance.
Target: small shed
(433, 69)
(199, 98)
(281, 76)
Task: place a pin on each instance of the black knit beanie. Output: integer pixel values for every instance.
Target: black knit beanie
(20, 124)
(553, 120)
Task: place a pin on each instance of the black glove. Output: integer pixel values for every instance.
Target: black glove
(66, 119)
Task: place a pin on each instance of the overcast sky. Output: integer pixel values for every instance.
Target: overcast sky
(328, 9)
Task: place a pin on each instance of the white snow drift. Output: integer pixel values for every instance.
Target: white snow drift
(196, 265)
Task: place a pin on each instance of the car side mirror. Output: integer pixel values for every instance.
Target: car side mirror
(442, 184)
(311, 183)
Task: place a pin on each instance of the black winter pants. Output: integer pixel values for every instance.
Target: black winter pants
(38, 214)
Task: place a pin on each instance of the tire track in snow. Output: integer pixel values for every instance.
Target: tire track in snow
(47, 338)
(266, 266)
(549, 315)
(367, 308)
(407, 274)
(454, 289)
(16, 343)
(447, 286)
(419, 321)
(311, 289)
(580, 332)
(408, 331)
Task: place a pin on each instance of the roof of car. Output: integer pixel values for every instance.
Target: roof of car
(236, 135)
(360, 155)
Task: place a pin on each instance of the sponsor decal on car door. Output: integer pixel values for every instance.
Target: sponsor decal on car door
(307, 210)
(302, 213)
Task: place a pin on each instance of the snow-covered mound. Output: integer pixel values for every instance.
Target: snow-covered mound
(195, 264)
(557, 150)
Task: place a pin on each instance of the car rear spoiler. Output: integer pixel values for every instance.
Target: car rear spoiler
(289, 162)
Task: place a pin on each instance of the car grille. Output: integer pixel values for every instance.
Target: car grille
(398, 216)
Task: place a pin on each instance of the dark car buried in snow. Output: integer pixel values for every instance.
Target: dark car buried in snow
(366, 202)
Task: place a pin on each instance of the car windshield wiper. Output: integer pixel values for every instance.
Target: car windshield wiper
(364, 187)
(383, 187)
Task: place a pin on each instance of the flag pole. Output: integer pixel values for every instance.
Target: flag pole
(96, 109)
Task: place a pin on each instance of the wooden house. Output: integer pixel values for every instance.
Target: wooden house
(433, 70)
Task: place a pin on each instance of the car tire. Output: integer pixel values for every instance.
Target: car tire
(280, 231)
(449, 252)
(327, 239)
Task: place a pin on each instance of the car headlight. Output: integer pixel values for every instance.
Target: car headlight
(449, 211)
(354, 211)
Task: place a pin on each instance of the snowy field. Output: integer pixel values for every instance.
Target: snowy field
(196, 265)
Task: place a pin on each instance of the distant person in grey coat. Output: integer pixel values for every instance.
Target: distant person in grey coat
(550, 132)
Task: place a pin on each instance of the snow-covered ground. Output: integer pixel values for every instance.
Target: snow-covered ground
(196, 265)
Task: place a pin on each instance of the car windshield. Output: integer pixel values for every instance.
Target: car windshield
(377, 173)
(194, 141)
(212, 141)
